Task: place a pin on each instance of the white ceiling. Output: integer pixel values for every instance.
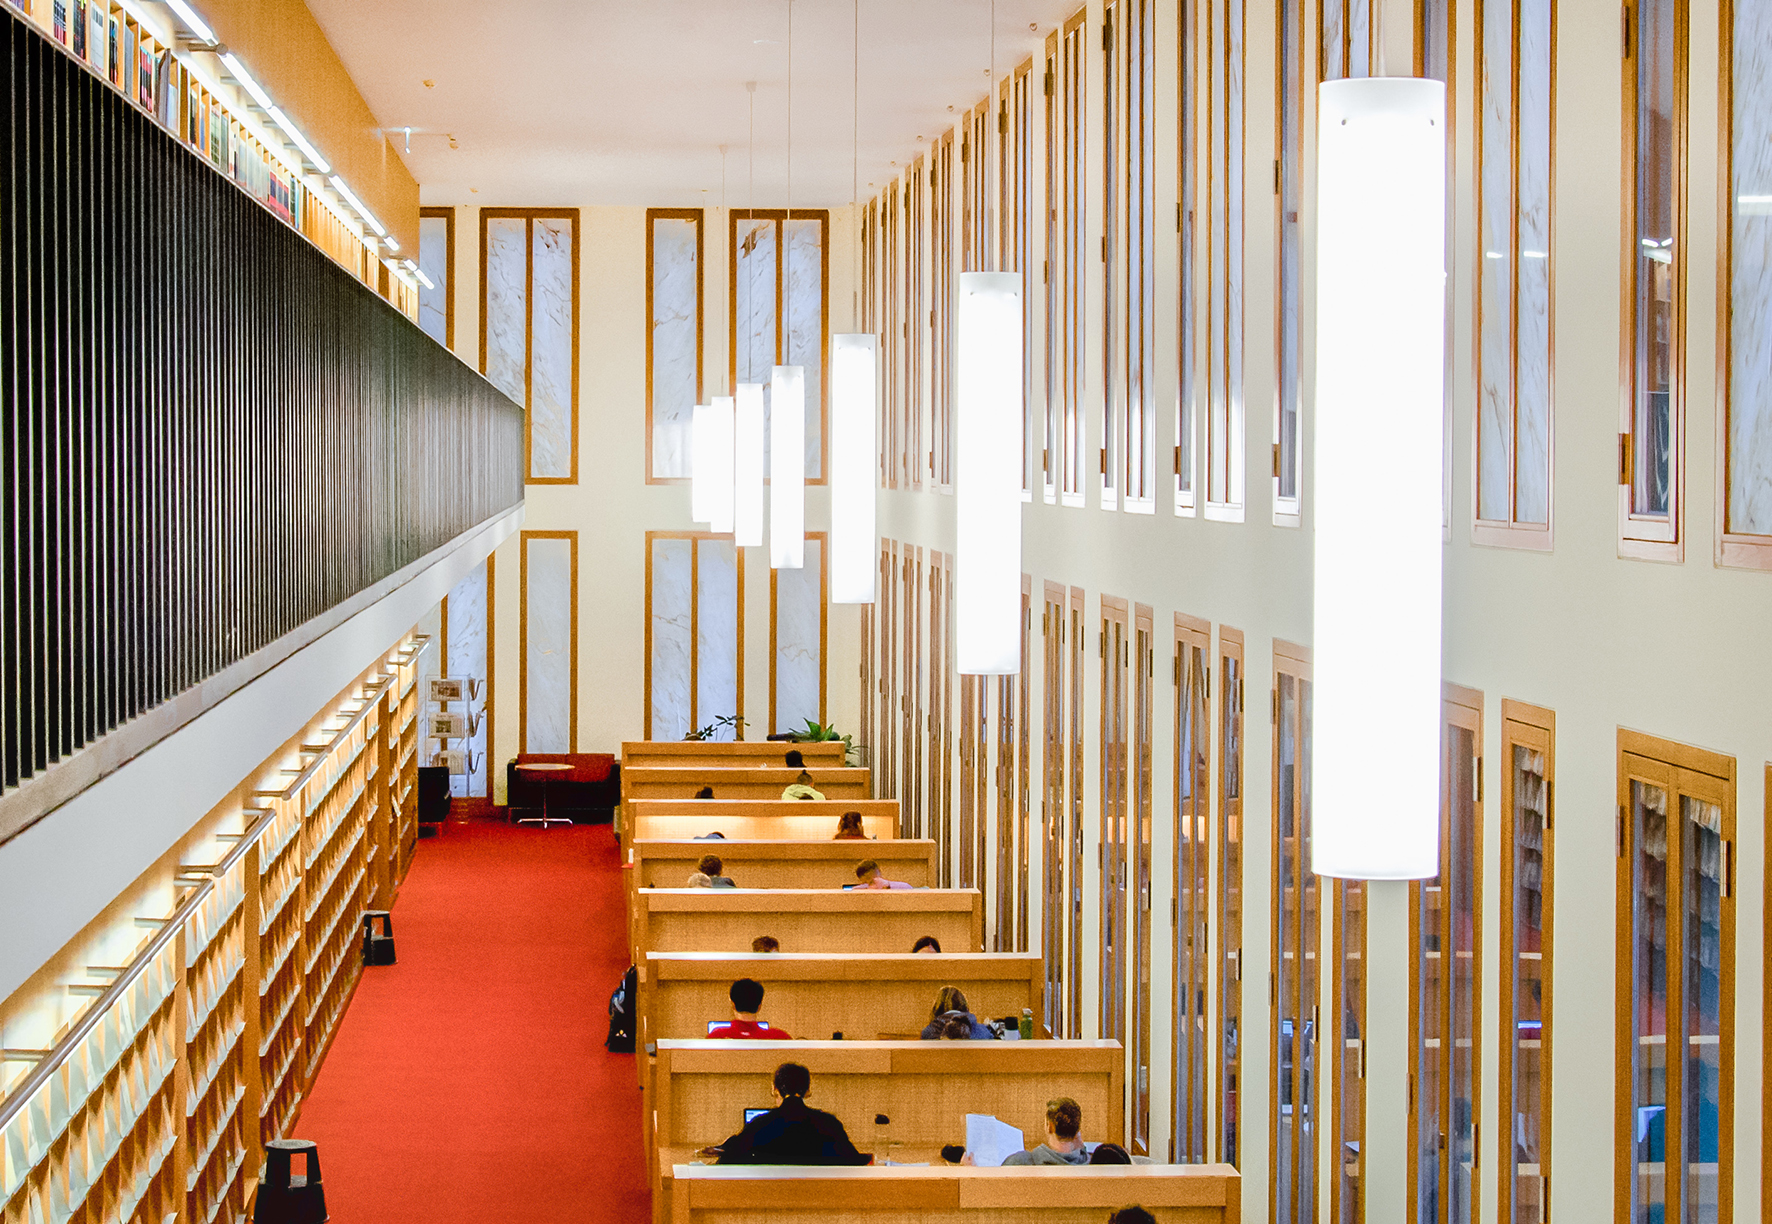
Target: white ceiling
(606, 102)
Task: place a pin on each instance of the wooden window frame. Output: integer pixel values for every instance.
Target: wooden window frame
(1113, 737)
(824, 630)
(1051, 268)
(1533, 728)
(1024, 797)
(892, 332)
(1348, 1201)
(1340, 67)
(1055, 904)
(941, 736)
(911, 704)
(780, 216)
(1294, 661)
(1015, 221)
(886, 762)
(1137, 255)
(1681, 770)
(1644, 537)
(1229, 893)
(530, 216)
(1114, 158)
(1071, 216)
(1290, 111)
(447, 215)
(676, 214)
(694, 625)
(1079, 667)
(1141, 736)
(1190, 916)
(523, 637)
(1226, 416)
(941, 328)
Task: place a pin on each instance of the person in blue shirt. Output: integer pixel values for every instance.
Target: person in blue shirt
(951, 1002)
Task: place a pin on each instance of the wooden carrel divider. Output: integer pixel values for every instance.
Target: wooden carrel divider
(726, 920)
(755, 819)
(646, 754)
(737, 782)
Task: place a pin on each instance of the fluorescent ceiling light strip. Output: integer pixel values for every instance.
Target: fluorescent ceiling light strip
(246, 80)
(194, 23)
(301, 142)
(338, 185)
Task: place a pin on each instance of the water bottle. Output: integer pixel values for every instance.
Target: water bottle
(1027, 1024)
(882, 1139)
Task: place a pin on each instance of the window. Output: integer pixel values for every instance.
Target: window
(673, 337)
(468, 620)
(1744, 492)
(529, 296)
(1010, 871)
(1224, 264)
(1434, 31)
(780, 307)
(1115, 646)
(885, 764)
(547, 700)
(1347, 1075)
(893, 328)
(941, 326)
(694, 632)
(436, 259)
(1296, 937)
(1024, 794)
(1528, 778)
(1289, 286)
(1189, 68)
(1229, 900)
(798, 611)
(1676, 958)
(1078, 631)
(1051, 268)
(1066, 216)
(1143, 666)
(1445, 984)
(1054, 811)
(1016, 224)
(1190, 1127)
(1347, 32)
(916, 296)
(1133, 55)
(1513, 342)
(941, 708)
(1114, 157)
(910, 768)
(976, 238)
(1652, 445)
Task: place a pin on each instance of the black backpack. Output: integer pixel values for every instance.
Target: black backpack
(621, 1014)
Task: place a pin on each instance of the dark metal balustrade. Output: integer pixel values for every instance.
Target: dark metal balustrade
(209, 432)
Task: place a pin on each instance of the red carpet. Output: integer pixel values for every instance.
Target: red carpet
(469, 1081)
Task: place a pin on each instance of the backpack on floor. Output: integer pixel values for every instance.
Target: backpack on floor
(621, 1014)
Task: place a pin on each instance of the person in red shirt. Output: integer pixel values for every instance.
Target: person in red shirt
(747, 1001)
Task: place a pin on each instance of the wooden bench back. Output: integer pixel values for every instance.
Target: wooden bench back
(773, 818)
(781, 864)
(640, 754)
(805, 920)
(737, 782)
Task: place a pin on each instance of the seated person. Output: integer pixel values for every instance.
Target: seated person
(868, 872)
(1064, 1118)
(747, 1000)
(1132, 1215)
(928, 943)
(949, 1003)
(698, 879)
(791, 1133)
(1109, 1153)
(849, 828)
(706, 792)
(716, 835)
(956, 1028)
(765, 943)
(711, 867)
(801, 788)
(795, 760)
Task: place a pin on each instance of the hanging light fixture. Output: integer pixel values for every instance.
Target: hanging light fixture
(747, 466)
(701, 424)
(710, 464)
(787, 402)
(854, 366)
(987, 462)
(1381, 261)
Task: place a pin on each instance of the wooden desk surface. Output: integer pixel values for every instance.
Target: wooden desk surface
(739, 781)
(766, 826)
(804, 920)
(771, 863)
(823, 754)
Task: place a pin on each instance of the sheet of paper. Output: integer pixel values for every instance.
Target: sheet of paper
(990, 1140)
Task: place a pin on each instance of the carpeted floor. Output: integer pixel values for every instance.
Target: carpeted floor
(469, 1081)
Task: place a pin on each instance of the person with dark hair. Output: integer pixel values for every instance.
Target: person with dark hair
(928, 943)
(868, 872)
(765, 943)
(849, 828)
(802, 788)
(795, 760)
(950, 1003)
(956, 1028)
(791, 1133)
(747, 1000)
(1132, 1215)
(711, 867)
(1109, 1153)
(1064, 1119)
(706, 792)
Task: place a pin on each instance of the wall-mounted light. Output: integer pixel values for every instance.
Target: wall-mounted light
(854, 407)
(1381, 267)
(987, 476)
(344, 192)
(301, 142)
(747, 466)
(193, 22)
(787, 467)
(238, 71)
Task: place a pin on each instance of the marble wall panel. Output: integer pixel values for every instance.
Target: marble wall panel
(1495, 398)
(676, 341)
(507, 279)
(549, 645)
(753, 301)
(1334, 62)
(799, 641)
(1359, 38)
(1532, 387)
(466, 633)
(1750, 336)
(433, 261)
(716, 632)
(804, 277)
(551, 426)
(669, 608)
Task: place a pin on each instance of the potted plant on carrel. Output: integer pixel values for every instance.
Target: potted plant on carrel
(819, 733)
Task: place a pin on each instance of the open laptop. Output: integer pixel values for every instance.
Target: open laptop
(714, 1024)
(751, 1115)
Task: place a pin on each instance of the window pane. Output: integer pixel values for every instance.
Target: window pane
(716, 632)
(506, 323)
(676, 341)
(1290, 16)
(1466, 919)
(669, 605)
(1532, 345)
(1649, 998)
(1527, 1026)
(803, 275)
(1750, 339)
(552, 334)
(1495, 438)
(753, 299)
(1230, 904)
(1654, 341)
(433, 261)
(548, 644)
(799, 640)
(1701, 863)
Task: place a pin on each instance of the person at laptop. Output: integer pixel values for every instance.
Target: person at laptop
(747, 1001)
(711, 867)
(868, 872)
(792, 1133)
(849, 828)
(950, 1003)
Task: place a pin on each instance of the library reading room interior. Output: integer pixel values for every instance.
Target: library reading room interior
(786, 611)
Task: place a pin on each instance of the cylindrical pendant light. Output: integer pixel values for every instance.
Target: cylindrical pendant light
(701, 423)
(987, 476)
(1381, 266)
(787, 467)
(747, 466)
(854, 408)
(710, 494)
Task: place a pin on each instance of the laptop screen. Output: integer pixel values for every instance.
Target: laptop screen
(751, 1115)
(714, 1024)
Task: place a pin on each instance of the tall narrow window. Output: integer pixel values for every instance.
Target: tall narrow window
(1069, 218)
(1190, 1130)
(1138, 851)
(1009, 872)
(892, 329)
(870, 679)
(974, 779)
(1024, 792)
(1228, 1045)
(1513, 343)
(799, 606)
(941, 708)
(1653, 424)
(941, 327)
(1078, 629)
(1346, 32)
(1189, 47)
(1296, 918)
(1051, 276)
(1348, 1069)
(1744, 486)
(1114, 155)
(673, 337)
(1224, 263)
(910, 769)
(694, 633)
(1528, 779)
(886, 759)
(1114, 645)
(780, 275)
(1434, 35)
(1054, 811)
(1136, 50)
(436, 259)
(1289, 121)
(468, 620)
(1445, 987)
(1015, 164)
(529, 329)
(547, 705)
(916, 323)
(1676, 958)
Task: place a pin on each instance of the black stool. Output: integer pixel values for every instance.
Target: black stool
(284, 1198)
(378, 948)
